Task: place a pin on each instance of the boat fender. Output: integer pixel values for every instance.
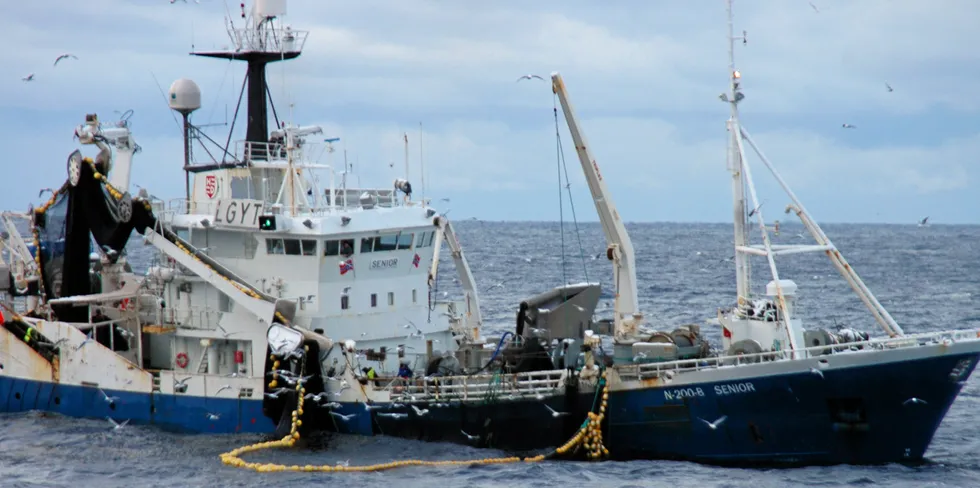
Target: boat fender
(182, 360)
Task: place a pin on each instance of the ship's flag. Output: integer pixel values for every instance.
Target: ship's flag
(416, 260)
(346, 266)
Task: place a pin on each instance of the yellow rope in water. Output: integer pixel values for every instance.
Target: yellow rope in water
(589, 436)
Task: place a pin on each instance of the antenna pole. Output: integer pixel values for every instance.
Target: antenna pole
(421, 163)
(187, 160)
(406, 155)
(742, 265)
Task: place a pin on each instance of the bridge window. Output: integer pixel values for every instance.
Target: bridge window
(387, 242)
(367, 244)
(415, 296)
(309, 247)
(343, 247)
(391, 299)
(425, 239)
(274, 246)
(374, 300)
(405, 240)
(344, 302)
(292, 247)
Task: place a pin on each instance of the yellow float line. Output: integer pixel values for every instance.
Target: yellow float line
(590, 435)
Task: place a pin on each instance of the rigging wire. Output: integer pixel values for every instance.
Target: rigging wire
(568, 189)
(561, 210)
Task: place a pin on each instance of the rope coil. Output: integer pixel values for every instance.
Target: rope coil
(588, 436)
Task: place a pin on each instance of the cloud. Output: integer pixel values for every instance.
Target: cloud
(644, 79)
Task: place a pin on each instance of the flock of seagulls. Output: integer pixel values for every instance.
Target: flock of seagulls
(57, 60)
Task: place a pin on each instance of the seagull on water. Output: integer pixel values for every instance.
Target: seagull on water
(117, 425)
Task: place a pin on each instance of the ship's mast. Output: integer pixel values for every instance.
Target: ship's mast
(261, 41)
(743, 271)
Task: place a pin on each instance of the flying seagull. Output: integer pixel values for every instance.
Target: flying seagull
(29, 77)
(848, 126)
(889, 87)
(815, 9)
(64, 56)
(528, 77)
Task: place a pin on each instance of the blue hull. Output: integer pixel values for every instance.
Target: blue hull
(857, 415)
(178, 413)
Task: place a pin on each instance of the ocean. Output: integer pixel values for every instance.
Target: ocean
(927, 277)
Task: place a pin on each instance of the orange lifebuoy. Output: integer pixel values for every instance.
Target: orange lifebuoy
(182, 360)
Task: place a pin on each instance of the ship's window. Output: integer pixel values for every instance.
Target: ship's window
(374, 299)
(432, 238)
(338, 247)
(421, 241)
(183, 233)
(425, 239)
(391, 299)
(367, 244)
(387, 242)
(405, 240)
(415, 296)
(344, 302)
(240, 187)
(292, 247)
(224, 303)
(309, 247)
(274, 246)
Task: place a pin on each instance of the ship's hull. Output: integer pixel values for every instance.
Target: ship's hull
(858, 410)
(178, 413)
(862, 414)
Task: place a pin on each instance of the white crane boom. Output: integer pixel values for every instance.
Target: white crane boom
(627, 316)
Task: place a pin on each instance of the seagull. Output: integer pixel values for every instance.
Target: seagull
(714, 425)
(816, 372)
(316, 398)
(332, 405)
(396, 416)
(213, 416)
(889, 87)
(343, 417)
(180, 382)
(64, 56)
(756, 209)
(107, 398)
(275, 393)
(117, 425)
(369, 407)
(554, 413)
(528, 77)
(344, 463)
(848, 126)
(420, 411)
(815, 9)
(470, 437)
(924, 222)
(914, 400)
(223, 388)
(29, 77)
(87, 340)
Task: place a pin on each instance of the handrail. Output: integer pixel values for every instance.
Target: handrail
(845, 347)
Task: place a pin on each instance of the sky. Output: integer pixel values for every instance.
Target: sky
(643, 75)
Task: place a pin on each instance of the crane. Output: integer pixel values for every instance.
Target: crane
(627, 316)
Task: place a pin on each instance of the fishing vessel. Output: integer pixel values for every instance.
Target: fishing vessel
(261, 251)
(772, 393)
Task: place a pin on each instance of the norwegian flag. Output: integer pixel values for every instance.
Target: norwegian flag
(346, 266)
(416, 260)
